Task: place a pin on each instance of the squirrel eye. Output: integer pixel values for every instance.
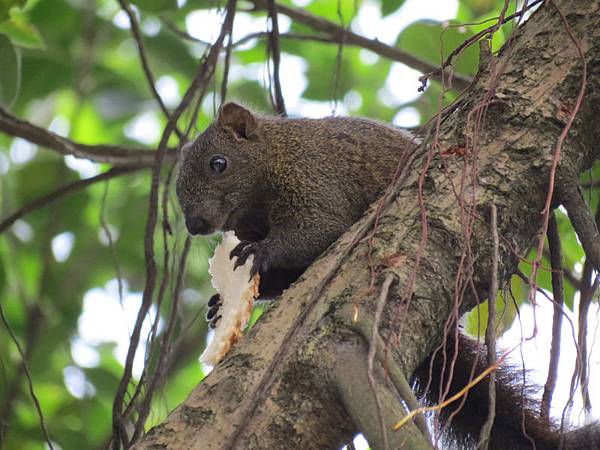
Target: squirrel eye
(218, 164)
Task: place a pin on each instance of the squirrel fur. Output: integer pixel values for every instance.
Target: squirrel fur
(289, 188)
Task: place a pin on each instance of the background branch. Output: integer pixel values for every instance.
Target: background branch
(279, 103)
(559, 300)
(63, 192)
(340, 34)
(111, 154)
(137, 36)
(582, 220)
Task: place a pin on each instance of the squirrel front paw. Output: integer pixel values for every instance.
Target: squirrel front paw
(243, 250)
(213, 308)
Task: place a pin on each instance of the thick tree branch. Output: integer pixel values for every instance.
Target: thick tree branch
(369, 409)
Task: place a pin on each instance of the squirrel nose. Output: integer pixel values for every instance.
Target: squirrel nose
(197, 225)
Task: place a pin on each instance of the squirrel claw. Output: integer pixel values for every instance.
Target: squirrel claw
(213, 323)
(213, 307)
(242, 251)
(214, 300)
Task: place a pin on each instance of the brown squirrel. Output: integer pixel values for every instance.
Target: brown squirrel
(289, 188)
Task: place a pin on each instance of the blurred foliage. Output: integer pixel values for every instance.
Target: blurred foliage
(72, 66)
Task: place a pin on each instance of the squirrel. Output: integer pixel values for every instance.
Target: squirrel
(288, 188)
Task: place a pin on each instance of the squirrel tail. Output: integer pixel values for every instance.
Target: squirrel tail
(517, 423)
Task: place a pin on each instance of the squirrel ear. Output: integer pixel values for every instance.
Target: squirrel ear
(185, 149)
(239, 119)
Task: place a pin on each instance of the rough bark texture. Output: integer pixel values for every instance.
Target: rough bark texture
(289, 383)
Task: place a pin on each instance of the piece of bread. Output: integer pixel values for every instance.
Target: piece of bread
(237, 296)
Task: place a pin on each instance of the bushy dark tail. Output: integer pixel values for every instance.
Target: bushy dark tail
(517, 424)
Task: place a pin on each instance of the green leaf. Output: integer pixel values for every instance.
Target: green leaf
(21, 31)
(7, 5)
(256, 313)
(479, 7)
(10, 74)
(331, 10)
(156, 6)
(2, 276)
(389, 6)
(433, 42)
(506, 311)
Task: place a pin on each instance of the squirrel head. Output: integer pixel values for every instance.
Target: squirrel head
(222, 172)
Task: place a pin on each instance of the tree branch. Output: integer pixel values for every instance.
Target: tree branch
(490, 335)
(297, 36)
(111, 154)
(63, 192)
(137, 36)
(197, 87)
(279, 103)
(559, 300)
(369, 410)
(582, 220)
(340, 34)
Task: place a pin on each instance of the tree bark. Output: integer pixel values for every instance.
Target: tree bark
(299, 379)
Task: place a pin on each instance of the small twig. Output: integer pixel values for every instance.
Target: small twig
(203, 76)
(585, 300)
(490, 335)
(181, 33)
(566, 273)
(385, 288)
(276, 55)
(293, 36)
(486, 31)
(158, 373)
(111, 242)
(63, 192)
(137, 36)
(226, 63)
(579, 375)
(338, 59)
(559, 299)
(589, 281)
(151, 340)
(36, 402)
